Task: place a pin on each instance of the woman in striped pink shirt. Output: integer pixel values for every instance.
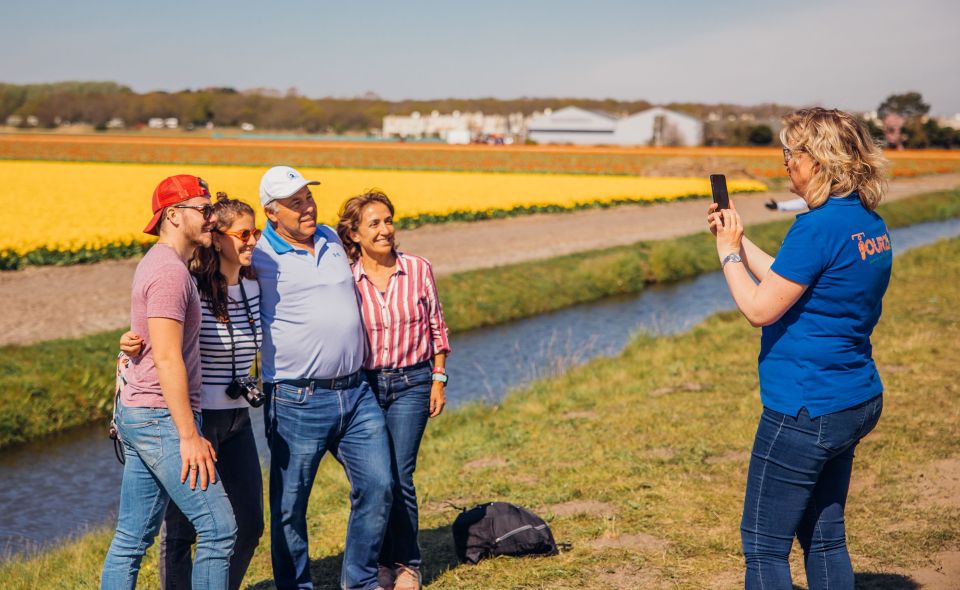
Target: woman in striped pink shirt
(408, 346)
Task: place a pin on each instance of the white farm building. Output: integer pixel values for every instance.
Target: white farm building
(654, 126)
(572, 125)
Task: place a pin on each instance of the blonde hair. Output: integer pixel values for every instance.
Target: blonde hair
(847, 157)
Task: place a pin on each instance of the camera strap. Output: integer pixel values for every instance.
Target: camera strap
(233, 348)
(253, 329)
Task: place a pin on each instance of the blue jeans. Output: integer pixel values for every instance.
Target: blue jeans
(151, 477)
(797, 486)
(302, 423)
(405, 399)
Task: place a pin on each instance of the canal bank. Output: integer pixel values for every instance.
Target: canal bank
(50, 498)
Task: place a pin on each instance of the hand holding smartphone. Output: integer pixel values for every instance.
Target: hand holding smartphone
(718, 184)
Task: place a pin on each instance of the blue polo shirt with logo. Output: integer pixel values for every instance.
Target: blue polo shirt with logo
(308, 308)
(818, 355)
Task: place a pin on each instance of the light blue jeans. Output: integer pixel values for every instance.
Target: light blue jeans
(151, 477)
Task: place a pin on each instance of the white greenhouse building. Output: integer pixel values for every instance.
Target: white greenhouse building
(572, 125)
(655, 126)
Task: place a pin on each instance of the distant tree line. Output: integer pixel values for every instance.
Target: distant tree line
(96, 103)
(901, 121)
(904, 124)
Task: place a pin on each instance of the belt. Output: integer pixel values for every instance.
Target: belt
(402, 370)
(345, 382)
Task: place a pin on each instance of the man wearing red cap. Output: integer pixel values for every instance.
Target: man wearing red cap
(159, 411)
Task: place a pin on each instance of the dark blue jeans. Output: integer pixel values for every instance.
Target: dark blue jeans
(405, 399)
(797, 486)
(238, 465)
(303, 423)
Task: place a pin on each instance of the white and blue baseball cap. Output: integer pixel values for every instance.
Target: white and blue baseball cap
(281, 182)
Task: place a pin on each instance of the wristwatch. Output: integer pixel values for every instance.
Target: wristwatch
(440, 375)
(730, 258)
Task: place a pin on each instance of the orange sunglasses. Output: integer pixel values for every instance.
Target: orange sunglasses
(243, 235)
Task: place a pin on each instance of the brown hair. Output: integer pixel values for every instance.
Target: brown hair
(350, 215)
(848, 158)
(205, 265)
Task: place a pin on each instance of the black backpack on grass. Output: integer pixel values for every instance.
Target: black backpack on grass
(500, 528)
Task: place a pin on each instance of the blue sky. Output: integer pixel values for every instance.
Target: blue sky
(845, 53)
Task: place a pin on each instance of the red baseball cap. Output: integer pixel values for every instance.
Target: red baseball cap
(173, 190)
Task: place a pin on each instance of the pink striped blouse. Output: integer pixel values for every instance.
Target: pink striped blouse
(404, 325)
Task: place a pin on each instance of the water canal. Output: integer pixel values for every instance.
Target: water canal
(65, 484)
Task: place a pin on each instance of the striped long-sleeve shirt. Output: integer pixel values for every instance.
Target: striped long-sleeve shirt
(404, 324)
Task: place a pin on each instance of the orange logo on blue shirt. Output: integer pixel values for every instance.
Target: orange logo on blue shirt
(871, 246)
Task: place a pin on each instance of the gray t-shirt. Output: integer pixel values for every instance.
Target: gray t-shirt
(163, 288)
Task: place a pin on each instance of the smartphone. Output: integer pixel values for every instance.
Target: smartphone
(718, 184)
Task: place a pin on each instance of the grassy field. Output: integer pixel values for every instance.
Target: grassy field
(68, 382)
(639, 462)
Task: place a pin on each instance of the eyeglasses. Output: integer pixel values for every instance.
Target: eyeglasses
(788, 154)
(205, 210)
(243, 235)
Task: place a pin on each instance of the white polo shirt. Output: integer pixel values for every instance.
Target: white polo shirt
(308, 308)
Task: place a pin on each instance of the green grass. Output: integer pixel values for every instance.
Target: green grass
(10, 260)
(69, 382)
(53, 385)
(654, 443)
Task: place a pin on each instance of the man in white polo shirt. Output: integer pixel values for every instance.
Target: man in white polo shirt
(313, 349)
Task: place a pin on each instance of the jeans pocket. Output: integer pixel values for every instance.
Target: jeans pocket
(144, 438)
(874, 408)
(289, 394)
(839, 430)
(419, 378)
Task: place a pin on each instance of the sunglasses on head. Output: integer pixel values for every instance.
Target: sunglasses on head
(205, 210)
(243, 235)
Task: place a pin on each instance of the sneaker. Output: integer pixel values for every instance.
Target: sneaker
(385, 577)
(408, 578)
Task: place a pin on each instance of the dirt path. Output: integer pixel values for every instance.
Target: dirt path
(42, 303)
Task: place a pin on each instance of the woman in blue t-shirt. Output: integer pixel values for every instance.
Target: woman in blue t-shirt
(818, 302)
